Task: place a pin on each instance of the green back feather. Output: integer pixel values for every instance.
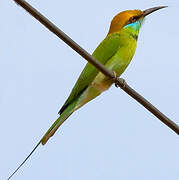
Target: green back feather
(106, 49)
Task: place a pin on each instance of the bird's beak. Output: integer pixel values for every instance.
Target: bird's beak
(151, 10)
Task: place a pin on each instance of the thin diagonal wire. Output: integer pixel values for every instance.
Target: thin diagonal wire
(53, 28)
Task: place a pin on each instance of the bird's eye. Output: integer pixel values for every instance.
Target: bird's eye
(133, 19)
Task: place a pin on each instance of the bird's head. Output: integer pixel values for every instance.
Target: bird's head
(130, 17)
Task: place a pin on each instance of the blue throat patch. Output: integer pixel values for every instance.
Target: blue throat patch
(135, 26)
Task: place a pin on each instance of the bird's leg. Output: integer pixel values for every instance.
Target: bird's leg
(115, 79)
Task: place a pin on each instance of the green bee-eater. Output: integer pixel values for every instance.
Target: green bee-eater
(115, 52)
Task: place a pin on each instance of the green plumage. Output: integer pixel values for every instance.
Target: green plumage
(115, 52)
(107, 48)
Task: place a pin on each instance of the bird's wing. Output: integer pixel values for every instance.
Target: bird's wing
(106, 49)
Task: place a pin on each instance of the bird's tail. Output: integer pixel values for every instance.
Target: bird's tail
(24, 160)
(89, 94)
(67, 112)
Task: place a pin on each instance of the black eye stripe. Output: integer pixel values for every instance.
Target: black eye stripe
(132, 19)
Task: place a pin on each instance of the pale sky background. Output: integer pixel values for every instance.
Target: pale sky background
(112, 137)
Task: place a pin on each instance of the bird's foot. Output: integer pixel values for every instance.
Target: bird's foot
(123, 83)
(116, 79)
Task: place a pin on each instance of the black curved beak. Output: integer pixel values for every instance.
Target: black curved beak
(151, 10)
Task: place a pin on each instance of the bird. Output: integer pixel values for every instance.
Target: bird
(115, 52)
